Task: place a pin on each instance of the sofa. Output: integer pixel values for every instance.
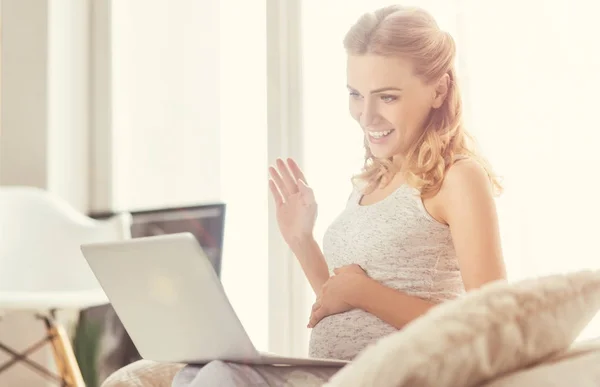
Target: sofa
(527, 333)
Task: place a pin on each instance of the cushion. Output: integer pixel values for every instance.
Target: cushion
(576, 367)
(496, 329)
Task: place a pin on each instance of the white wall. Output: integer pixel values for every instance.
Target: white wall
(44, 128)
(23, 150)
(68, 102)
(45, 117)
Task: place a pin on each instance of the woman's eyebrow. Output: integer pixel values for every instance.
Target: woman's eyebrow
(380, 90)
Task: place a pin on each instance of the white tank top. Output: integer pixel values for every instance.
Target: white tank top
(398, 244)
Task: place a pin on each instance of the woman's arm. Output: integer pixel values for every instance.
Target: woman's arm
(313, 263)
(296, 211)
(467, 206)
(393, 307)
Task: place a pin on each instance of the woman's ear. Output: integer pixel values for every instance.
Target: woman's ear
(441, 91)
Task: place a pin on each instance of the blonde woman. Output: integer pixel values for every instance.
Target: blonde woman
(420, 226)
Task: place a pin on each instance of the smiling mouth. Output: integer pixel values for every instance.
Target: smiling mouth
(381, 134)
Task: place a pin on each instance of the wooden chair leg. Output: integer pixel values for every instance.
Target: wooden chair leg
(64, 356)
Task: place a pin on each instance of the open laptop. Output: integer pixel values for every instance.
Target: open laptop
(172, 304)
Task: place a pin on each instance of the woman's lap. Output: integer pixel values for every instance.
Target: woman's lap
(223, 374)
(143, 373)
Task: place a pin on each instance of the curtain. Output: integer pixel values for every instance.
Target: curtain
(530, 75)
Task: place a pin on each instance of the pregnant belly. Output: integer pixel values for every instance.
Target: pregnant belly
(343, 336)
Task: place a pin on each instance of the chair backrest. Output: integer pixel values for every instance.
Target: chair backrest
(40, 239)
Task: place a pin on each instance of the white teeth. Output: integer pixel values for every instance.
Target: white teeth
(380, 134)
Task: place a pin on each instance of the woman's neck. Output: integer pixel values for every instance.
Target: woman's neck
(398, 161)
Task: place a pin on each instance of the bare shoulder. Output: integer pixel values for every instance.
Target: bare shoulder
(466, 186)
(466, 174)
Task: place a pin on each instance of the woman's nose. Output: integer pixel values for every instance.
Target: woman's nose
(368, 115)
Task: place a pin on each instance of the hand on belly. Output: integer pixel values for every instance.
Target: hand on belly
(336, 293)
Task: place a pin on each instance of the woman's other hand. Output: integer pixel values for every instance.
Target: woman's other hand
(336, 294)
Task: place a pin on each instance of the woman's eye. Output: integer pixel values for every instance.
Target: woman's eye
(388, 98)
(354, 94)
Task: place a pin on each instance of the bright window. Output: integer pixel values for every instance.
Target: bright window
(188, 109)
(243, 142)
(530, 85)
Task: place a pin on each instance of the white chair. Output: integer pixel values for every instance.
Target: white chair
(42, 269)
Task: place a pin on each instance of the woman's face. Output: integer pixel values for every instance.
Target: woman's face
(389, 102)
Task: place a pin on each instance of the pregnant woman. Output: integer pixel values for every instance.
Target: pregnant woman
(420, 225)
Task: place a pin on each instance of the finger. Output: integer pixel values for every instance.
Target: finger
(357, 268)
(275, 192)
(316, 306)
(350, 268)
(289, 181)
(296, 171)
(336, 271)
(306, 190)
(279, 182)
(302, 185)
(312, 321)
(315, 318)
(308, 197)
(301, 180)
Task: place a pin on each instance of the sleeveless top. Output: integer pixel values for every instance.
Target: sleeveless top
(398, 244)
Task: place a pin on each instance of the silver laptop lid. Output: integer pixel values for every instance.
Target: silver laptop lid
(169, 299)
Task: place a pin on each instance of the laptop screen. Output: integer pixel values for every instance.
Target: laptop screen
(205, 222)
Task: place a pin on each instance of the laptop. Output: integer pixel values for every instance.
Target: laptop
(173, 306)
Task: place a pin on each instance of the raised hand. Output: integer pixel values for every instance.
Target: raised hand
(296, 207)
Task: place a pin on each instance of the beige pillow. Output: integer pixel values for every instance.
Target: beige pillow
(497, 329)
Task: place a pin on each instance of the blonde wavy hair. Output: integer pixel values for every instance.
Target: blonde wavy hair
(414, 34)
